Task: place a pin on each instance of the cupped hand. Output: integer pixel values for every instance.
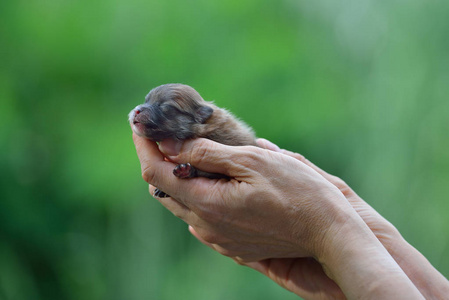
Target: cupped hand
(273, 206)
(275, 213)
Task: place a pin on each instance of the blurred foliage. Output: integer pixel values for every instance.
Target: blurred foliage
(359, 87)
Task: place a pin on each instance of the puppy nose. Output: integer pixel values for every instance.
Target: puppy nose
(138, 109)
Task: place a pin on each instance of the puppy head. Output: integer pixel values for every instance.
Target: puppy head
(170, 111)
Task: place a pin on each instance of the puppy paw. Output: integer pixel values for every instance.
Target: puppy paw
(160, 194)
(184, 171)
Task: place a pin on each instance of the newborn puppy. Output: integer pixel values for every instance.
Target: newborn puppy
(178, 112)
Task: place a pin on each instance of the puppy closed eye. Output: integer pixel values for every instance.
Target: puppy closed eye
(169, 111)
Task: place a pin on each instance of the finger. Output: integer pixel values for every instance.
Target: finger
(223, 250)
(266, 144)
(260, 266)
(157, 171)
(152, 161)
(199, 238)
(209, 237)
(213, 157)
(301, 158)
(178, 209)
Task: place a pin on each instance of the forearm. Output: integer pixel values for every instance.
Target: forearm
(363, 268)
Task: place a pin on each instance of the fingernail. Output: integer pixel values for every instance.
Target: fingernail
(170, 147)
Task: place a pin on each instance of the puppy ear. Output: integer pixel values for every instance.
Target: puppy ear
(203, 114)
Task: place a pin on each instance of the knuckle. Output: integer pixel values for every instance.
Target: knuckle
(301, 158)
(201, 151)
(251, 157)
(295, 155)
(343, 187)
(338, 182)
(148, 174)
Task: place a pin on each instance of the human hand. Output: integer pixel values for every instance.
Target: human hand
(425, 277)
(274, 206)
(305, 276)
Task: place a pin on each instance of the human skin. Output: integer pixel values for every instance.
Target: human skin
(277, 211)
(431, 283)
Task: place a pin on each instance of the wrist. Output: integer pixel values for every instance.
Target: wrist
(355, 259)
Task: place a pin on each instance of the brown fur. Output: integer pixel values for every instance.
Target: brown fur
(177, 111)
(224, 128)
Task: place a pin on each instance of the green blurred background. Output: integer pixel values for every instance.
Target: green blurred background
(358, 86)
